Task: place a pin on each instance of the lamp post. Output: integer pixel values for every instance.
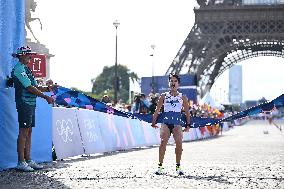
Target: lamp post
(153, 84)
(116, 24)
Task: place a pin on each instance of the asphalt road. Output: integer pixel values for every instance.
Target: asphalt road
(243, 157)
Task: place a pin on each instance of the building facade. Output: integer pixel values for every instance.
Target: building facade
(235, 84)
(262, 2)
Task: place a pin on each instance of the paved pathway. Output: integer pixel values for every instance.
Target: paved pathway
(243, 157)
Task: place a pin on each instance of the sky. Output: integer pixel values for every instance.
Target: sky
(81, 35)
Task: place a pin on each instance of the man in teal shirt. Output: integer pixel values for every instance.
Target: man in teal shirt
(26, 91)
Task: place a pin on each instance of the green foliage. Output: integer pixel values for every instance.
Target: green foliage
(104, 83)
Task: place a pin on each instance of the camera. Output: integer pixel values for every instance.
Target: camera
(9, 82)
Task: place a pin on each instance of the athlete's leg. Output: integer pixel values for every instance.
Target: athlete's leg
(164, 135)
(178, 136)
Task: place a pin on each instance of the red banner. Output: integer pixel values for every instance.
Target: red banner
(38, 65)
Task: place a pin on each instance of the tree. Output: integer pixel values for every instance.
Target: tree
(105, 82)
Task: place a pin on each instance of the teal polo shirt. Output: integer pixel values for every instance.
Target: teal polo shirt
(23, 78)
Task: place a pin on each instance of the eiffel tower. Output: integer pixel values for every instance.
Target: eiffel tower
(226, 32)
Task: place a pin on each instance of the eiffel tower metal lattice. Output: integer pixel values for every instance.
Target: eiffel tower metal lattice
(226, 33)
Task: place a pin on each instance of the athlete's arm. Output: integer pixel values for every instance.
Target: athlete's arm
(158, 108)
(186, 111)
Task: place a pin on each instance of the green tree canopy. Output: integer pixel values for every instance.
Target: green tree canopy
(104, 83)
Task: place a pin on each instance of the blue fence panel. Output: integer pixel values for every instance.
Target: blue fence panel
(11, 37)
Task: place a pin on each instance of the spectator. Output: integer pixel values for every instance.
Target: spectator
(136, 104)
(139, 105)
(154, 102)
(26, 92)
(105, 99)
(145, 104)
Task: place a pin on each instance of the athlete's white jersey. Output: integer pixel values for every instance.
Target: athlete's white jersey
(173, 103)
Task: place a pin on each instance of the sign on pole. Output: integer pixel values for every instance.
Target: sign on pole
(38, 65)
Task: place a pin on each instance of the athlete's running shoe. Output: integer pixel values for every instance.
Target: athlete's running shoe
(160, 170)
(179, 171)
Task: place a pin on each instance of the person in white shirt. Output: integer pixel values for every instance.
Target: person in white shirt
(173, 102)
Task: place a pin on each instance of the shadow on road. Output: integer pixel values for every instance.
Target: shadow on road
(11, 179)
(219, 179)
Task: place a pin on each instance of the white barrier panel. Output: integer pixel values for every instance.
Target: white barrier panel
(149, 133)
(157, 134)
(124, 132)
(197, 133)
(121, 140)
(137, 132)
(206, 134)
(130, 134)
(65, 133)
(90, 131)
(109, 131)
(225, 126)
(102, 132)
(188, 136)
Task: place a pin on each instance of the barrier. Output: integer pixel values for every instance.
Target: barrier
(109, 132)
(189, 136)
(65, 133)
(81, 131)
(76, 131)
(41, 150)
(11, 37)
(121, 140)
(89, 126)
(41, 135)
(225, 126)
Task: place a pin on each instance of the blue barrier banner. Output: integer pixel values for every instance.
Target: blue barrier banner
(41, 150)
(265, 107)
(68, 97)
(9, 130)
(11, 37)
